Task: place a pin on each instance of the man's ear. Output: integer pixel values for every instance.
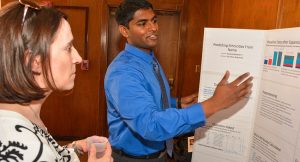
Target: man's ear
(123, 30)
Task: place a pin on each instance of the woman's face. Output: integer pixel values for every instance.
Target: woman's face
(64, 57)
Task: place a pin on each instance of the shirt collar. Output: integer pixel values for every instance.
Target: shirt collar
(139, 53)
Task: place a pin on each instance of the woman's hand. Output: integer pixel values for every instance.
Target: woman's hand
(106, 157)
(89, 145)
(81, 146)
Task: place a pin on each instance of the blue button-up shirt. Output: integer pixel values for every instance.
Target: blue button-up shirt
(138, 124)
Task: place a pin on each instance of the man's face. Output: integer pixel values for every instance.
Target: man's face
(143, 30)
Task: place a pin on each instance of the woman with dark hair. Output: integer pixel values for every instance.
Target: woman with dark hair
(36, 57)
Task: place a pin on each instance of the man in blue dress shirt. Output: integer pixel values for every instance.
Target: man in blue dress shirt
(139, 123)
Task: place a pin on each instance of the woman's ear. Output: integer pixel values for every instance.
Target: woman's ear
(123, 30)
(36, 66)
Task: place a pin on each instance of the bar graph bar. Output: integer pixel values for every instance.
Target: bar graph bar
(270, 62)
(288, 61)
(279, 59)
(275, 58)
(298, 61)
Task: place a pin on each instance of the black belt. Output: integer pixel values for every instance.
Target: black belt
(155, 155)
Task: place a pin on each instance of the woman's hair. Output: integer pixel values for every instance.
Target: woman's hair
(127, 8)
(20, 42)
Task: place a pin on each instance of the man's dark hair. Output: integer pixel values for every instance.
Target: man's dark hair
(127, 8)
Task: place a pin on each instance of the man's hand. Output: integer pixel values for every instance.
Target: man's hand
(227, 94)
(188, 100)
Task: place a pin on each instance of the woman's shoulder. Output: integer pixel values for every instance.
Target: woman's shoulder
(21, 140)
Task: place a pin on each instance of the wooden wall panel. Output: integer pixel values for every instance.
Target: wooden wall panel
(116, 42)
(196, 21)
(254, 14)
(166, 5)
(289, 14)
(168, 46)
(215, 12)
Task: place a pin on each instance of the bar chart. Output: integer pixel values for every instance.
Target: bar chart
(279, 59)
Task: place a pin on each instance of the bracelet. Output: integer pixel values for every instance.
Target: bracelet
(179, 102)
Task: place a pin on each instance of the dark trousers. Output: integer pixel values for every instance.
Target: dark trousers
(180, 152)
(122, 158)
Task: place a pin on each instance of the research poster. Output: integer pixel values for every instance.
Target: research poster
(265, 125)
